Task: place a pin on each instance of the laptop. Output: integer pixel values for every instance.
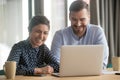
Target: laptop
(80, 60)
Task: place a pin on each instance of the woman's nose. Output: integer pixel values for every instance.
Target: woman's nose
(41, 35)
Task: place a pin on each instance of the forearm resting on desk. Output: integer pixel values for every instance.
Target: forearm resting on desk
(44, 70)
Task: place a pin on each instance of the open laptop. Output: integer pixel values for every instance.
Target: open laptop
(80, 60)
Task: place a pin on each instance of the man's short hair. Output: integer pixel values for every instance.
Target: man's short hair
(78, 5)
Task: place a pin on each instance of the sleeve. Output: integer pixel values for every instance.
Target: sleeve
(22, 70)
(51, 60)
(56, 44)
(100, 38)
(15, 55)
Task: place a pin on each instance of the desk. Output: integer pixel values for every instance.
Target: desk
(49, 77)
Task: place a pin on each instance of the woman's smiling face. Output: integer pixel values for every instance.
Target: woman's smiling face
(38, 35)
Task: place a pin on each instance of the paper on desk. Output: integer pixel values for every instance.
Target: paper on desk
(110, 72)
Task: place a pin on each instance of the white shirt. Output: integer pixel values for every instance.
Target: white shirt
(94, 35)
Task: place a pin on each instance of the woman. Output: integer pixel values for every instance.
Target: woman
(32, 55)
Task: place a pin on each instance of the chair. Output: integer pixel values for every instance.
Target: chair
(109, 65)
(2, 72)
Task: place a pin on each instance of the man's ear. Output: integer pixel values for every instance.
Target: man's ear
(89, 16)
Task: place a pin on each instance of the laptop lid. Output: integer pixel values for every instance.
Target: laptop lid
(80, 60)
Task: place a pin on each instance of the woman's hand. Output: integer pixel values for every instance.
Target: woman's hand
(44, 70)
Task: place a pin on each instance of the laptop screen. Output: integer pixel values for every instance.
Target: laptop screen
(81, 60)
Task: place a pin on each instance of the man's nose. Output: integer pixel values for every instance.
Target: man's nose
(78, 23)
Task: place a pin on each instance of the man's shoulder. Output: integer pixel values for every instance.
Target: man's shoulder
(95, 27)
(64, 30)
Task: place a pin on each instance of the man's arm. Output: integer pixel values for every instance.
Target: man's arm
(101, 39)
(56, 44)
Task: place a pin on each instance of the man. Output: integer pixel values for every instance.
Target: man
(80, 32)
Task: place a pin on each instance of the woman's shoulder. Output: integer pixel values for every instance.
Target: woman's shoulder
(44, 46)
(20, 44)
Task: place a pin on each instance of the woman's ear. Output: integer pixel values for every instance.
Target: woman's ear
(69, 16)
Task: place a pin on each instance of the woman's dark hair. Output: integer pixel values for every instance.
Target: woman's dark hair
(78, 5)
(36, 20)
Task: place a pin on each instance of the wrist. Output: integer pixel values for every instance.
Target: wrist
(37, 71)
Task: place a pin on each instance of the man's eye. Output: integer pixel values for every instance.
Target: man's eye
(82, 19)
